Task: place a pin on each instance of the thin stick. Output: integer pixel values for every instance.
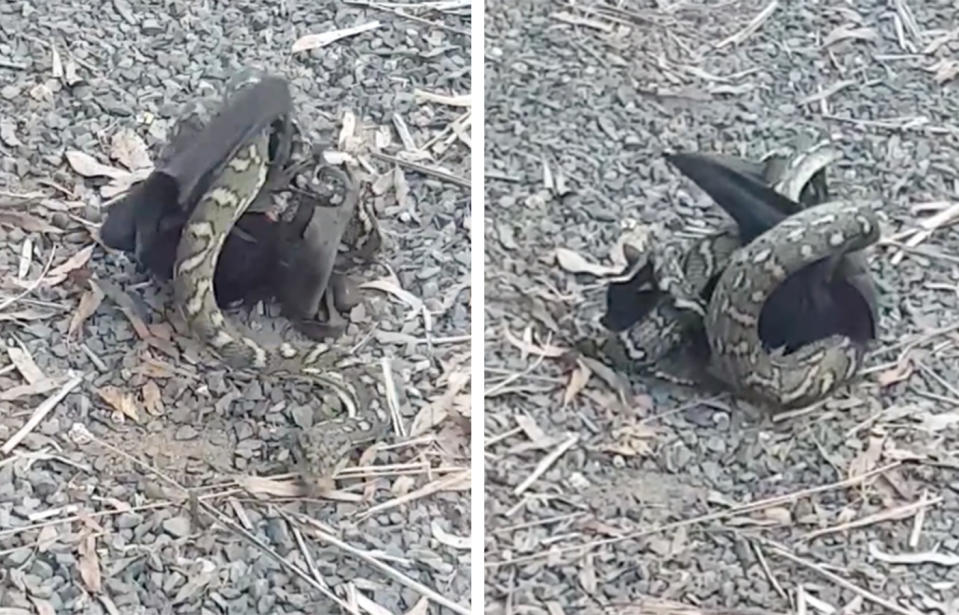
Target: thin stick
(723, 514)
(545, 463)
(425, 170)
(388, 570)
(39, 414)
(838, 580)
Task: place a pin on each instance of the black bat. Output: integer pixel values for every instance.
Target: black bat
(149, 219)
(827, 297)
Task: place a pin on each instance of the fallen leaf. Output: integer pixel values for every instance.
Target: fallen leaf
(27, 222)
(47, 538)
(8, 133)
(546, 350)
(56, 67)
(573, 262)
(59, 273)
(70, 73)
(403, 198)
(120, 401)
(577, 381)
(900, 372)
(402, 485)
(780, 515)
(25, 364)
(44, 607)
(34, 388)
(387, 285)
(129, 149)
(152, 399)
(450, 540)
(88, 166)
(26, 258)
(315, 41)
(867, 459)
(89, 302)
(89, 563)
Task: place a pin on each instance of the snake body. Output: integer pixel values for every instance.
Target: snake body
(828, 231)
(688, 272)
(690, 289)
(237, 184)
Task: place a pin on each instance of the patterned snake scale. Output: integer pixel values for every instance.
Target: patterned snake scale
(682, 273)
(827, 231)
(238, 184)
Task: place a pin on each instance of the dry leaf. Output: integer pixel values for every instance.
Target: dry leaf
(548, 350)
(34, 388)
(868, 459)
(27, 222)
(900, 372)
(387, 285)
(56, 67)
(402, 485)
(573, 262)
(152, 399)
(25, 364)
(782, 516)
(88, 166)
(59, 273)
(89, 563)
(89, 302)
(70, 73)
(44, 607)
(315, 41)
(8, 133)
(120, 401)
(444, 537)
(130, 150)
(47, 538)
(577, 381)
(403, 198)
(420, 608)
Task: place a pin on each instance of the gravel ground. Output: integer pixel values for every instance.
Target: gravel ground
(155, 481)
(671, 499)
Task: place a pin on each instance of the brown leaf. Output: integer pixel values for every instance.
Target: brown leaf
(89, 563)
(900, 372)
(152, 400)
(47, 538)
(577, 381)
(129, 149)
(59, 273)
(89, 302)
(34, 388)
(27, 222)
(869, 458)
(88, 166)
(120, 401)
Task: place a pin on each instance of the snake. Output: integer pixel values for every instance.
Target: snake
(672, 295)
(827, 231)
(237, 184)
(664, 269)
